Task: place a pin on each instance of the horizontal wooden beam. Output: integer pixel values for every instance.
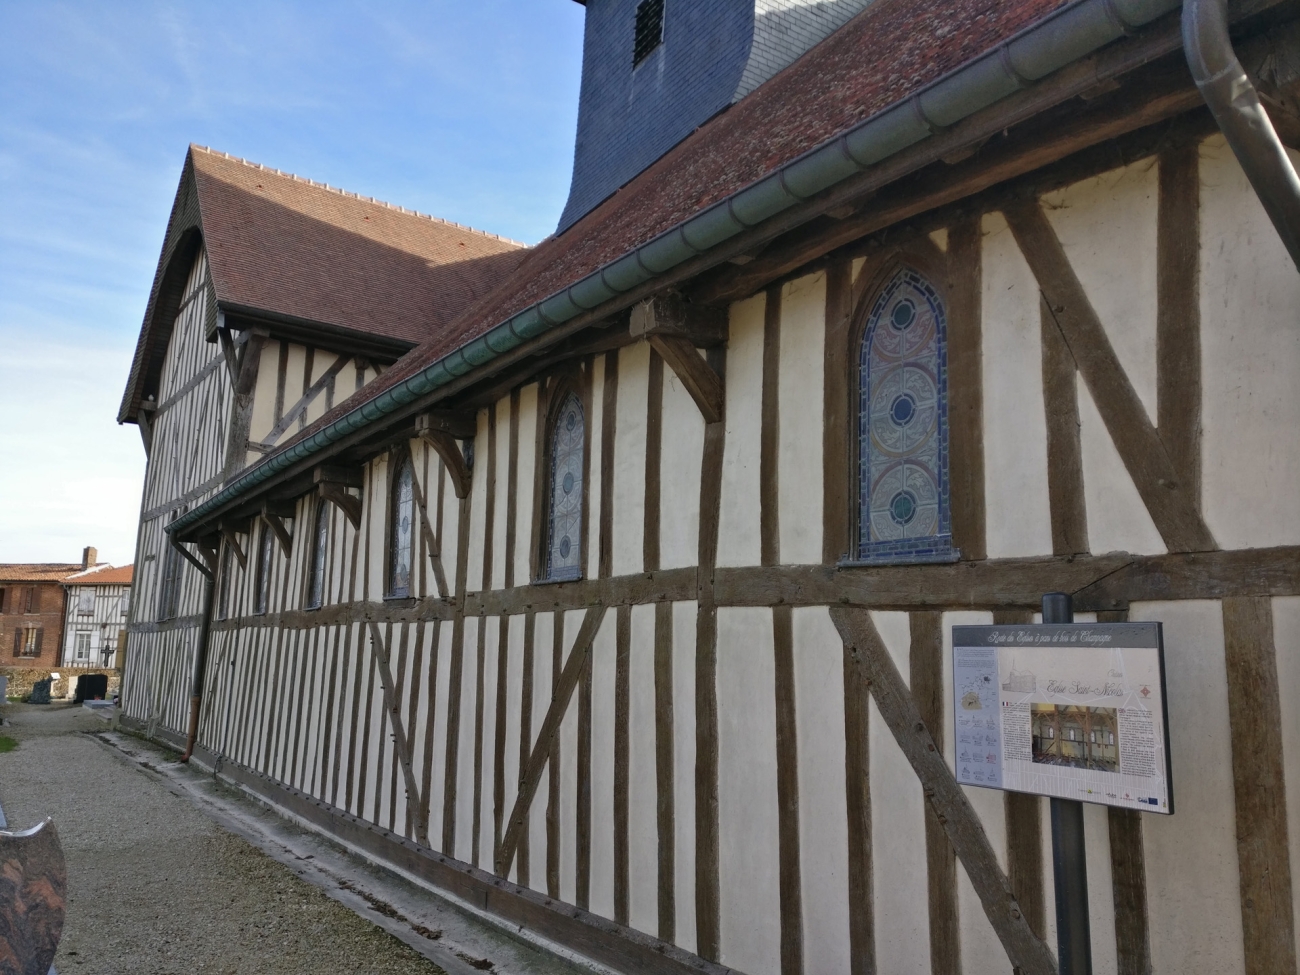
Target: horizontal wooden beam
(460, 424)
(1098, 582)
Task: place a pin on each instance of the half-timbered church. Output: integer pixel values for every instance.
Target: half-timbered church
(605, 586)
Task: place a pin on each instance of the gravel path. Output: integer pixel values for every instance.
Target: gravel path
(155, 887)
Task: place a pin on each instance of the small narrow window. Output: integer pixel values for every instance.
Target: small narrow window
(33, 601)
(169, 588)
(649, 29)
(83, 647)
(564, 534)
(265, 549)
(320, 546)
(86, 601)
(223, 589)
(903, 507)
(399, 539)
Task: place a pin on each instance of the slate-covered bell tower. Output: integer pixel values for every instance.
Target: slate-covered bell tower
(655, 70)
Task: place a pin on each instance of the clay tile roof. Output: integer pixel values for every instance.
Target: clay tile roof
(38, 571)
(884, 54)
(288, 245)
(102, 575)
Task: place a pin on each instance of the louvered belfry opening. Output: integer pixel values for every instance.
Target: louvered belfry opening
(649, 29)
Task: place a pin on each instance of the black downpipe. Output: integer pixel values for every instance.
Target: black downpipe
(1241, 117)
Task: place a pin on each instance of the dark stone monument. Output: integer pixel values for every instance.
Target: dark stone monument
(33, 887)
(41, 691)
(91, 687)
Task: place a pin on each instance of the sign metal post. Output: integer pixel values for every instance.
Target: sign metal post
(1069, 858)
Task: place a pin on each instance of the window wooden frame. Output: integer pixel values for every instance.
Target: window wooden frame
(874, 277)
(552, 393)
(397, 457)
(320, 514)
(266, 542)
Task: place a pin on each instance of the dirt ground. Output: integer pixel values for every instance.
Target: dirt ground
(155, 886)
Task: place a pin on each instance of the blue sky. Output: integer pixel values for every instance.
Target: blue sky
(463, 110)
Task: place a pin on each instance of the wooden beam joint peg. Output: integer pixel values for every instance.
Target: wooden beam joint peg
(441, 434)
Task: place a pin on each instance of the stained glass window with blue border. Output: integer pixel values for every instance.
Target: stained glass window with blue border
(564, 535)
(903, 487)
(399, 551)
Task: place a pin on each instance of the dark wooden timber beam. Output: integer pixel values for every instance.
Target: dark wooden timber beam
(462, 475)
(1025, 950)
(332, 484)
(277, 526)
(401, 742)
(232, 540)
(697, 376)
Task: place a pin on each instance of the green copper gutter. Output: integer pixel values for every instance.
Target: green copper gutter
(1066, 35)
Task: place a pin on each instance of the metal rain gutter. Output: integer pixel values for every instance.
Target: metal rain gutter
(1241, 118)
(1068, 34)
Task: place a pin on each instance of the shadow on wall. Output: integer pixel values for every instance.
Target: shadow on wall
(785, 29)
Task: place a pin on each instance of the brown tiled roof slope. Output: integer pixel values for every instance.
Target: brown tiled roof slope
(38, 571)
(881, 56)
(102, 575)
(286, 245)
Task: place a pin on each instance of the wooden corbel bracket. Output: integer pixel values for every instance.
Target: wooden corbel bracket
(675, 329)
(332, 484)
(232, 540)
(281, 532)
(439, 434)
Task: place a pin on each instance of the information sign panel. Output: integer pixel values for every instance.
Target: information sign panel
(1072, 710)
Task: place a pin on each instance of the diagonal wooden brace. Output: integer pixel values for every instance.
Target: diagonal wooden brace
(414, 807)
(1027, 952)
(704, 385)
(569, 676)
(439, 436)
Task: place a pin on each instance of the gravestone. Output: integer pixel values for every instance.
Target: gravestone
(91, 687)
(41, 691)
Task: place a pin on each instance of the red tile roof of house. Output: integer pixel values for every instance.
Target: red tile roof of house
(102, 575)
(881, 56)
(283, 246)
(38, 571)
(288, 245)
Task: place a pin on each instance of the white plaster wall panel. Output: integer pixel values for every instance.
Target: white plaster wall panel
(543, 668)
(800, 379)
(823, 815)
(513, 655)
(679, 474)
(569, 773)
(856, 266)
(629, 458)
(375, 523)
(1120, 282)
(604, 652)
(684, 617)
(1101, 894)
(450, 525)
(940, 238)
(372, 711)
(1118, 520)
(295, 365)
(748, 857)
(738, 532)
(899, 867)
(643, 793)
(501, 498)
(1193, 901)
(464, 846)
(595, 424)
(1019, 521)
(487, 782)
(981, 951)
(438, 779)
(1250, 355)
(478, 502)
(263, 415)
(525, 474)
(1286, 638)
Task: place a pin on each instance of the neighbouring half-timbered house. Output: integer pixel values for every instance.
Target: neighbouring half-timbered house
(617, 605)
(97, 602)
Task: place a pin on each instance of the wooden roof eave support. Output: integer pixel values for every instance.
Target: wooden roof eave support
(332, 484)
(281, 532)
(144, 420)
(675, 329)
(440, 430)
(232, 540)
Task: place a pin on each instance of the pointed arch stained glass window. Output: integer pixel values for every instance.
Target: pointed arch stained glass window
(904, 513)
(399, 542)
(564, 537)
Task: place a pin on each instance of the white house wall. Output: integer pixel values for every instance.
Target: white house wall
(300, 697)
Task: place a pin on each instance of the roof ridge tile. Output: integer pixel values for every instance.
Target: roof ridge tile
(355, 196)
